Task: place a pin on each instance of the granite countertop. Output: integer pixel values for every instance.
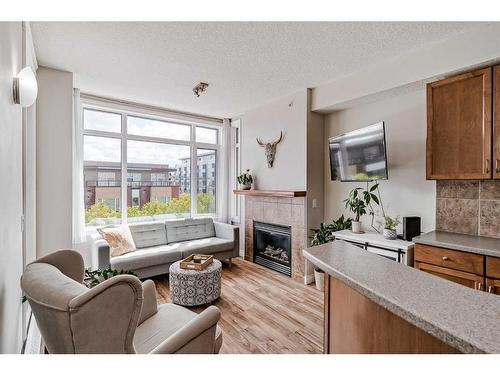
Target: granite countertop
(463, 242)
(464, 318)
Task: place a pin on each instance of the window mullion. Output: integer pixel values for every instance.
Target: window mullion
(194, 173)
(124, 187)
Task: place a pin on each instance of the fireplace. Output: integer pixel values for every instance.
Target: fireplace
(272, 246)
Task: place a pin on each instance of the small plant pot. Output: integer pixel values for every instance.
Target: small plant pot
(246, 186)
(319, 279)
(356, 227)
(390, 234)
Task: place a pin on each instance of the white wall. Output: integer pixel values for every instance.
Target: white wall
(54, 160)
(289, 170)
(11, 251)
(460, 52)
(406, 192)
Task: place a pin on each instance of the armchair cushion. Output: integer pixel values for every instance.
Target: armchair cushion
(174, 326)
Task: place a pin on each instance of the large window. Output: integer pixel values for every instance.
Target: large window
(140, 169)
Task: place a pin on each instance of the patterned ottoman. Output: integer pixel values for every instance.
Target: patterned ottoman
(193, 288)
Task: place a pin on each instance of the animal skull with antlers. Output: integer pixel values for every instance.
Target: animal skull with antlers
(270, 149)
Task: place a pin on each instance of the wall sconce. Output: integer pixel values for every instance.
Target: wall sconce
(25, 88)
(200, 88)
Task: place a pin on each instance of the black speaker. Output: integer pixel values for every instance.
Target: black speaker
(411, 227)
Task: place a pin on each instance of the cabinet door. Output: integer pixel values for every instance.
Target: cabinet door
(447, 258)
(496, 122)
(464, 278)
(459, 126)
(493, 286)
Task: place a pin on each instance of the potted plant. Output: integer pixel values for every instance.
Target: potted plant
(357, 202)
(322, 235)
(341, 223)
(245, 180)
(390, 225)
(357, 206)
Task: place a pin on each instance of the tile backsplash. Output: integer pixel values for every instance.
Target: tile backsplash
(471, 207)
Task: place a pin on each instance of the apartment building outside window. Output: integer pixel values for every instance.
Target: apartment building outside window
(138, 167)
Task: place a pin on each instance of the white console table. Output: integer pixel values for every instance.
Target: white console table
(398, 250)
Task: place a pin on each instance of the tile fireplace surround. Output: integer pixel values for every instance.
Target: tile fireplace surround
(283, 211)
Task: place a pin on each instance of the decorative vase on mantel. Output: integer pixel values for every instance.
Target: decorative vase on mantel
(247, 186)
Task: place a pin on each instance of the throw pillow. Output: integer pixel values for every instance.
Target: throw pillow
(119, 239)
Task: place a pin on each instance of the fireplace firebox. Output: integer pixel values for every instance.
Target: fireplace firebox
(272, 246)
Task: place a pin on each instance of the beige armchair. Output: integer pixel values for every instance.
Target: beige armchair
(119, 315)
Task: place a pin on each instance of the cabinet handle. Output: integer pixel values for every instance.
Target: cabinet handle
(490, 289)
(445, 258)
(496, 166)
(487, 165)
(479, 286)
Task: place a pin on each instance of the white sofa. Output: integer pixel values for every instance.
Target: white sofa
(159, 244)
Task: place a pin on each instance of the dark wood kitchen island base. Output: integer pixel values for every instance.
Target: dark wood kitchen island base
(356, 325)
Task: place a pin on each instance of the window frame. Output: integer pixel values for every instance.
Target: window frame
(235, 200)
(125, 112)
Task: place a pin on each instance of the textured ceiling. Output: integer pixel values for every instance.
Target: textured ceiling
(246, 64)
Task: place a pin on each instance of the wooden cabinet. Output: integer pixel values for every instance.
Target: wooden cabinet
(493, 275)
(496, 122)
(472, 270)
(493, 286)
(457, 260)
(458, 266)
(493, 267)
(354, 324)
(464, 278)
(459, 126)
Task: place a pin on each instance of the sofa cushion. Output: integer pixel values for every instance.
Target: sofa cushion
(149, 234)
(148, 257)
(212, 245)
(120, 239)
(189, 229)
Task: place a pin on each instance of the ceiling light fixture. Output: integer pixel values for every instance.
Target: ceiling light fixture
(200, 88)
(25, 87)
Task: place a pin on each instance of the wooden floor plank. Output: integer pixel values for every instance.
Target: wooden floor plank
(263, 311)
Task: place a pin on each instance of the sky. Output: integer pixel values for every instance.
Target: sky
(109, 149)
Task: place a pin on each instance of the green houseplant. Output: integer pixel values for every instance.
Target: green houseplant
(390, 225)
(245, 180)
(322, 235)
(94, 278)
(358, 201)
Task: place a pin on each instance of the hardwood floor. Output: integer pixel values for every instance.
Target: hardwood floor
(264, 311)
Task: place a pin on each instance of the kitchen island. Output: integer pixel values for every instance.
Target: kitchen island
(375, 305)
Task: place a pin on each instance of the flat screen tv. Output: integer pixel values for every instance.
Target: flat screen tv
(359, 155)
